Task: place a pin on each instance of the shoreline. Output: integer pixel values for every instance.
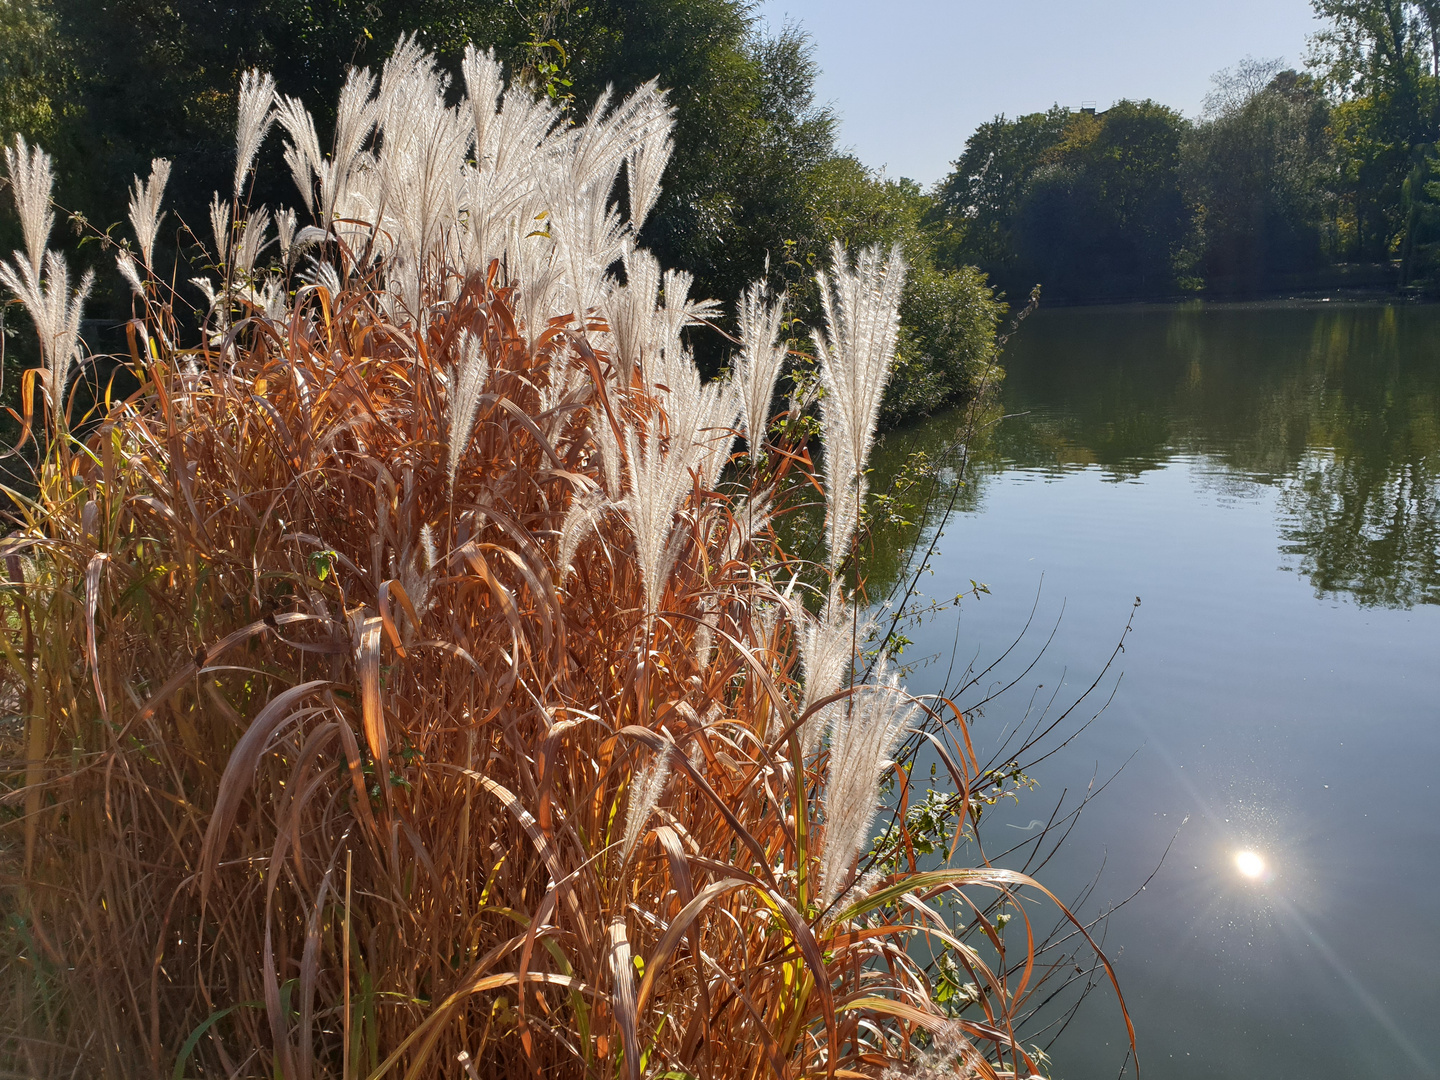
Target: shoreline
(1338, 297)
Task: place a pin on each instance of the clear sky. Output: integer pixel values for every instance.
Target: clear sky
(911, 79)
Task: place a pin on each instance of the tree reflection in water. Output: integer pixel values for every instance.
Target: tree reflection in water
(1336, 405)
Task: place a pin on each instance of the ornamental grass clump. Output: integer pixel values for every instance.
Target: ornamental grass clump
(411, 676)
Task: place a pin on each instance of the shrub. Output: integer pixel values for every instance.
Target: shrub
(410, 674)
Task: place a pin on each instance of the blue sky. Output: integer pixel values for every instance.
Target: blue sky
(911, 79)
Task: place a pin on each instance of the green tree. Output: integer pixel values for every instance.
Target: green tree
(982, 195)
(1420, 207)
(1104, 216)
(1088, 205)
(1261, 170)
(29, 74)
(1379, 58)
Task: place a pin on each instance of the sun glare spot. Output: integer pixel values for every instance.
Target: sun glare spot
(1249, 864)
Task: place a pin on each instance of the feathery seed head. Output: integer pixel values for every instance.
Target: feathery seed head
(864, 735)
(587, 510)
(145, 215)
(758, 366)
(659, 482)
(56, 312)
(646, 164)
(31, 178)
(252, 121)
(354, 121)
(125, 263)
(252, 239)
(302, 150)
(285, 224)
(484, 83)
(862, 316)
(646, 789)
(827, 645)
(220, 225)
(467, 384)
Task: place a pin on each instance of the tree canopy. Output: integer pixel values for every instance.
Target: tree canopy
(1260, 172)
(1089, 204)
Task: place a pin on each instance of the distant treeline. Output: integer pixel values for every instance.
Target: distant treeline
(1286, 175)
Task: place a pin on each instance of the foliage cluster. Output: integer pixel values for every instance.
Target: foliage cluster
(1261, 171)
(1137, 201)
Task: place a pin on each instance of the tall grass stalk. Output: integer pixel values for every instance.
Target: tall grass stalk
(405, 688)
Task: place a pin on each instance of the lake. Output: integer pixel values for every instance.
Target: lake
(1266, 479)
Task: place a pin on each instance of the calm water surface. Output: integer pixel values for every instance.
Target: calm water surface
(1267, 480)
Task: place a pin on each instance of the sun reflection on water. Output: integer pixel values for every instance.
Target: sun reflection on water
(1250, 864)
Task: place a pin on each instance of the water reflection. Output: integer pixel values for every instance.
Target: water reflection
(1337, 406)
(1241, 469)
(1251, 864)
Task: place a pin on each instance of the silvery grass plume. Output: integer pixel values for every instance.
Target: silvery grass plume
(757, 368)
(253, 240)
(676, 313)
(125, 263)
(703, 415)
(752, 516)
(302, 151)
(484, 84)
(707, 623)
(615, 131)
(587, 511)
(589, 229)
(467, 383)
(645, 318)
(862, 313)
(354, 120)
(700, 420)
(589, 235)
(629, 311)
(646, 165)
(659, 480)
(827, 651)
(416, 571)
(420, 160)
(220, 225)
(145, 215)
(285, 225)
(515, 135)
(253, 120)
(863, 736)
(53, 308)
(495, 177)
(646, 788)
(32, 178)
